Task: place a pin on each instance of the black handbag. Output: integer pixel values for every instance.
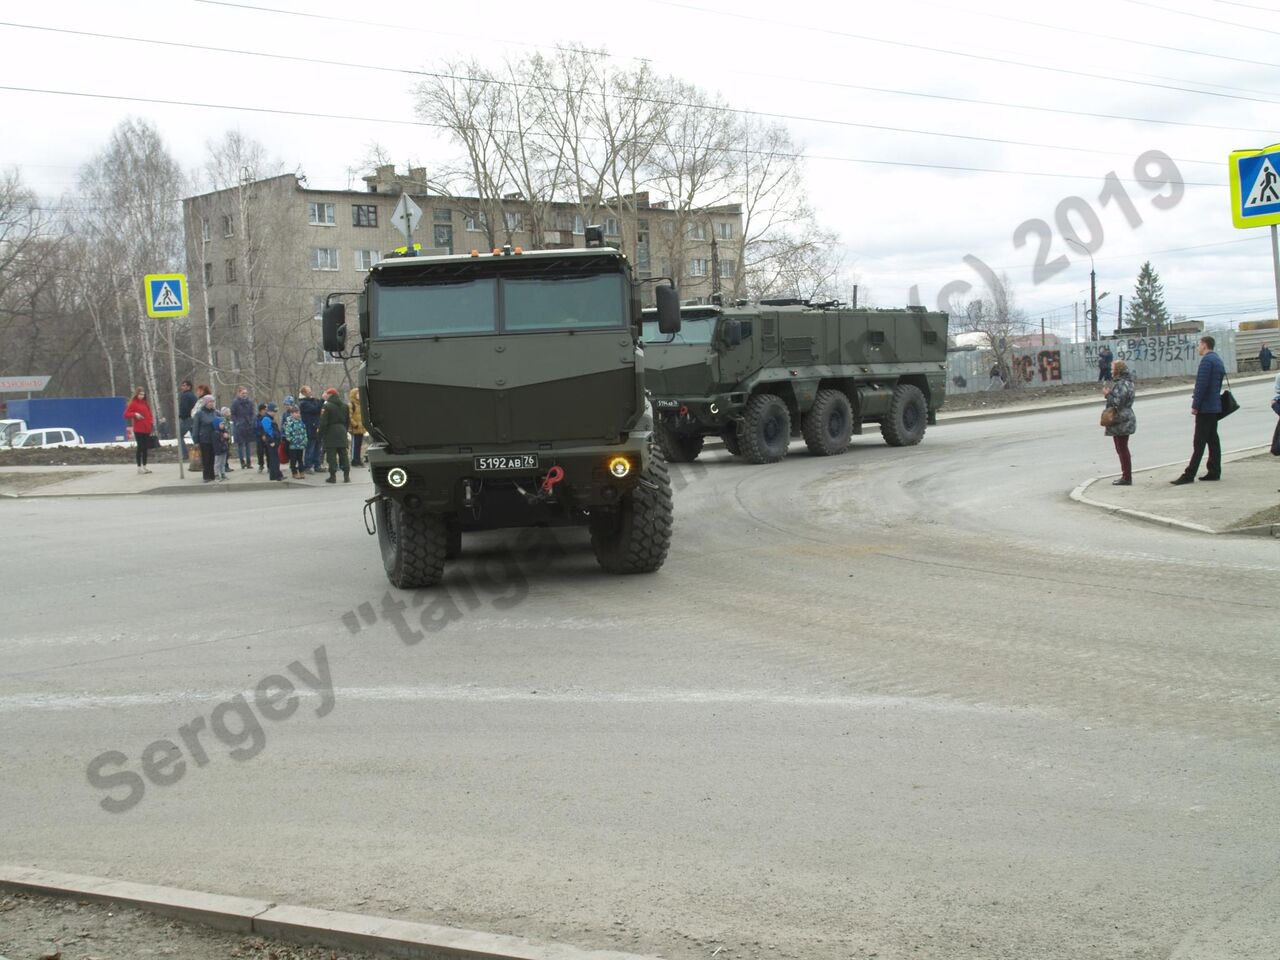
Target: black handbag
(1229, 404)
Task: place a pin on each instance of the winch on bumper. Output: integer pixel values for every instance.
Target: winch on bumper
(574, 478)
(708, 414)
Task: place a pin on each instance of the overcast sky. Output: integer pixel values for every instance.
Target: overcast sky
(1085, 89)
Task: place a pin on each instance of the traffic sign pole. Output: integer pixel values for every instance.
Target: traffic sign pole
(1275, 263)
(173, 382)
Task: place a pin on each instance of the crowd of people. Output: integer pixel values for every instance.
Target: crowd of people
(310, 430)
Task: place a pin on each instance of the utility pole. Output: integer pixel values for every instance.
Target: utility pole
(1042, 331)
(1075, 321)
(855, 296)
(1093, 303)
(1120, 313)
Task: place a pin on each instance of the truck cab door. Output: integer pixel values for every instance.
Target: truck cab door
(736, 348)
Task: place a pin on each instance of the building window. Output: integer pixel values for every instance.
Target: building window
(235, 360)
(724, 230)
(324, 258)
(226, 226)
(697, 267)
(321, 214)
(727, 267)
(365, 259)
(442, 215)
(205, 234)
(209, 316)
(664, 268)
(322, 357)
(214, 354)
(696, 231)
(234, 317)
(611, 226)
(208, 274)
(318, 303)
(363, 215)
(579, 227)
(476, 223)
(231, 271)
(514, 222)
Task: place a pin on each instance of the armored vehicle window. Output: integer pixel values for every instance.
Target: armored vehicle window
(446, 309)
(567, 304)
(695, 330)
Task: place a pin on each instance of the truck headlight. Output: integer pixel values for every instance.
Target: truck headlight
(397, 477)
(619, 467)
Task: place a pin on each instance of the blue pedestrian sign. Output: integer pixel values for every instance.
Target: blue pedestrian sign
(166, 294)
(1255, 187)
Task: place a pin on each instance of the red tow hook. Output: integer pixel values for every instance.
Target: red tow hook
(684, 413)
(554, 476)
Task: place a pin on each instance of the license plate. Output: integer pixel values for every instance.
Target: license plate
(507, 461)
(666, 404)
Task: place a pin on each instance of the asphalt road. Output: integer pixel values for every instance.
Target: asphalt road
(901, 703)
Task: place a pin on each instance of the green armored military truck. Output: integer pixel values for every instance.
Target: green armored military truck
(506, 390)
(757, 375)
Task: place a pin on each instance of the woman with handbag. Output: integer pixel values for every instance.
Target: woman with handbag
(1119, 419)
(139, 416)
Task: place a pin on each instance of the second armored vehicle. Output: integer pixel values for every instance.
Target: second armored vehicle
(757, 375)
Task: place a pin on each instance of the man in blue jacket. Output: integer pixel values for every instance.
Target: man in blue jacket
(1206, 407)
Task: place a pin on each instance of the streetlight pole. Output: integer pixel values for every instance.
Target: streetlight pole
(1093, 289)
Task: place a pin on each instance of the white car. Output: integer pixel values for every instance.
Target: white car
(10, 429)
(48, 437)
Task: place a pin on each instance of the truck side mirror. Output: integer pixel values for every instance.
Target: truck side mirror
(733, 332)
(333, 325)
(668, 299)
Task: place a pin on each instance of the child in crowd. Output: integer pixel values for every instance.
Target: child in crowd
(221, 443)
(295, 434)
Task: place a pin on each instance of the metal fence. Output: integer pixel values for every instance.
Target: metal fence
(969, 371)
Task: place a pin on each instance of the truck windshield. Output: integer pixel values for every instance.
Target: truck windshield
(693, 330)
(528, 305)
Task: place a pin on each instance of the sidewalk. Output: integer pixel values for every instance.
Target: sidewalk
(113, 480)
(1245, 501)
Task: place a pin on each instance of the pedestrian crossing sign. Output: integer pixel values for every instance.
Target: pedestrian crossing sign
(166, 294)
(1255, 187)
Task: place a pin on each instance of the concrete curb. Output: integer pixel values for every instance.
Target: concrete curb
(1078, 494)
(301, 925)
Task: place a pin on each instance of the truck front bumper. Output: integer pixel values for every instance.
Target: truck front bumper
(702, 414)
(451, 481)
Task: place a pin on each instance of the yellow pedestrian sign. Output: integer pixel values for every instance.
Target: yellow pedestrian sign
(1255, 187)
(166, 294)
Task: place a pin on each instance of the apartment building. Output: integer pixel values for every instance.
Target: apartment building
(263, 255)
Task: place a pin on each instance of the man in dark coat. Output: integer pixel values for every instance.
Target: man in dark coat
(1264, 357)
(203, 425)
(1206, 407)
(243, 427)
(186, 406)
(334, 420)
(1104, 363)
(310, 408)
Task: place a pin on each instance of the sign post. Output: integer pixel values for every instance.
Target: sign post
(166, 295)
(1255, 197)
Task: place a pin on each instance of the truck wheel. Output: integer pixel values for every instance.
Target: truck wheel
(635, 538)
(765, 431)
(413, 546)
(908, 414)
(828, 426)
(730, 438)
(678, 448)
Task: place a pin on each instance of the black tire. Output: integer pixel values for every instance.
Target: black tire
(730, 438)
(676, 447)
(413, 546)
(635, 538)
(765, 431)
(908, 415)
(828, 426)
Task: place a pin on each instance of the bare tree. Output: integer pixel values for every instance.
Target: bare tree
(130, 210)
(999, 321)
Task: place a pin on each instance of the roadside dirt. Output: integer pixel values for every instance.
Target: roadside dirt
(16, 484)
(76, 456)
(41, 928)
(1027, 393)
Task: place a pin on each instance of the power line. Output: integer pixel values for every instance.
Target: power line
(422, 123)
(801, 79)
(352, 65)
(960, 53)
(1200, 16)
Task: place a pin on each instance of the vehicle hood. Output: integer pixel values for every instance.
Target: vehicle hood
(678, 369)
